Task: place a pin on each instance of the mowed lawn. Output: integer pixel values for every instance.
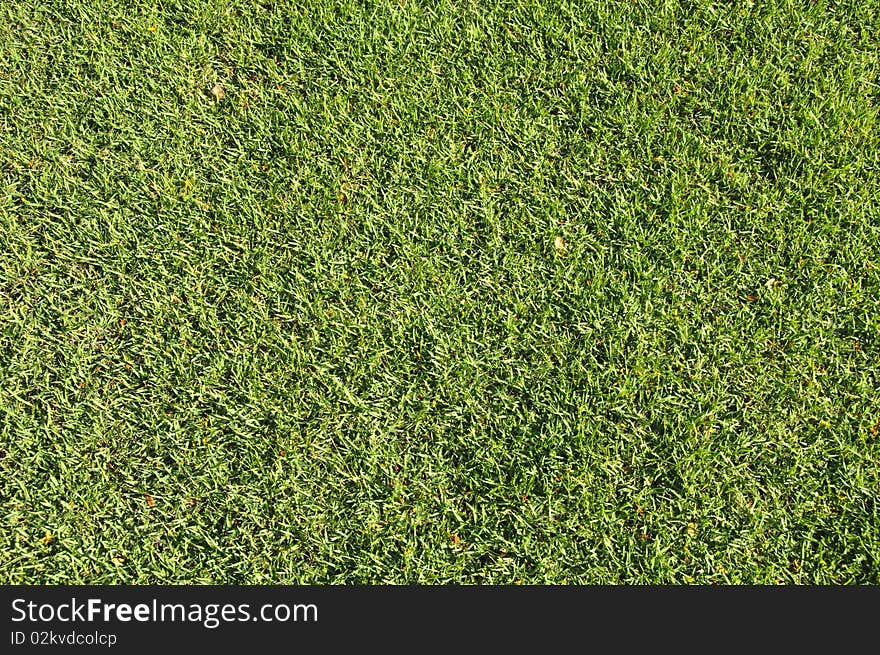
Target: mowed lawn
(430, 292)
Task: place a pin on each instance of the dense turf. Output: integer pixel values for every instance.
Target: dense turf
(428, 292)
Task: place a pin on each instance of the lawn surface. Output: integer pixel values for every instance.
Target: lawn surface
(523, 291)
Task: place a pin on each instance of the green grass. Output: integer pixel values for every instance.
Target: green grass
(321, 330)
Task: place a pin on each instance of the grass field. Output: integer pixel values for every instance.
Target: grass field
(481, 292)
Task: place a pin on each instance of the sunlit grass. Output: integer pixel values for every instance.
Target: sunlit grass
(439, 292)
